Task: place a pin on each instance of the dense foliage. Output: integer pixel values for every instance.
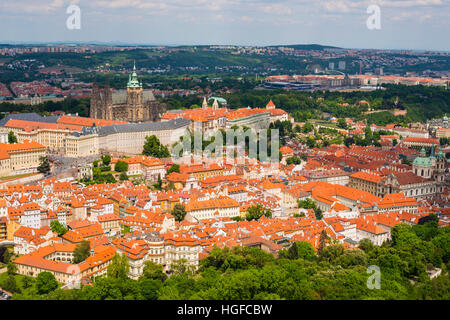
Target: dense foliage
(59, 228)
(82, 251)
(154, 148)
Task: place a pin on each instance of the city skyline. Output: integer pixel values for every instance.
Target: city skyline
(407, 25)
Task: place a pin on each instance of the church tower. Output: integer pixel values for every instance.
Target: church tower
(95, 100)
(439, 172)
(215, 105)
(135, 98)
(204, 104)
(107, 101)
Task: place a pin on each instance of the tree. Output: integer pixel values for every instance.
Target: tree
(153, 271)
(342, 123)
(322, 241)
(154, 148)
(181, 266)
(6, 258)
(308, 203)
(299, 250)
(293, 160)
(349, 141)
(179, 212)
(332, 253)
(121, 166)
(149, 288)
(318, 213)
(11, 268)
(174, 168)
(256, 212)
(366, 245)
(119, 267)
(82, 251)
(106, 159)
(308, 127)
(123, 176)
(27, 282)
(10, 284)
(109, 178)
(12, 137)
(394, 142)
(57, 227)
(44, 166)
(45, 283)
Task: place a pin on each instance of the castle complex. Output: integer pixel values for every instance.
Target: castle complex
(133, 104)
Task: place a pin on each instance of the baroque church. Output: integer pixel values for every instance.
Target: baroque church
(133, 104)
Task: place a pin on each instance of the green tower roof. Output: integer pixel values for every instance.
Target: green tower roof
(133, 81)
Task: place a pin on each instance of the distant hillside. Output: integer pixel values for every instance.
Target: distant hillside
(308, 47)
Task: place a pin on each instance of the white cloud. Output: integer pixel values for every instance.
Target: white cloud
(277, 8)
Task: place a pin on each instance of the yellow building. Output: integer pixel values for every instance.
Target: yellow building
(11, 228)
(202, 171)
(443, 133)
(23, 157)
(56, 259)
(81, 146)
(3, 228)
(51, 135)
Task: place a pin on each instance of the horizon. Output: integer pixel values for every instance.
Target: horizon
(175, 45)
(403, 24)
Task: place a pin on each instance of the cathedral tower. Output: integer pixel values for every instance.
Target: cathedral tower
(135, 98)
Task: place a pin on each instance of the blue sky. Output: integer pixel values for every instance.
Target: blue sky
(405, 24)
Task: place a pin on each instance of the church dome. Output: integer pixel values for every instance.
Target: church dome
(422, 161)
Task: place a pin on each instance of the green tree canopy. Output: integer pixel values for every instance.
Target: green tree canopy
(154, 148)
(82, 251)
(121, 166)
(12, 137)
(45, 283)
(119, 267)
(178, 212)
(256, 212)
(174, 168)
(57, 227)
(44, 166)
(106, 159)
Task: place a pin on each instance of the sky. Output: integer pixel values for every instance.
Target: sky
(404, 24)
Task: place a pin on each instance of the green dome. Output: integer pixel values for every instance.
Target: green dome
(421, 161)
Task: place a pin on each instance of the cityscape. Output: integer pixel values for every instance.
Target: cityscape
(143, 171)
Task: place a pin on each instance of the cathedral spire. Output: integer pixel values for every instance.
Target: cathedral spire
(133, 81)
(204, 104)
(215, 105)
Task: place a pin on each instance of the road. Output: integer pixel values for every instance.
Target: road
(64, 167)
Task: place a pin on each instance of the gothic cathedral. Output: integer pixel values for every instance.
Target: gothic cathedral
(133, 104)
